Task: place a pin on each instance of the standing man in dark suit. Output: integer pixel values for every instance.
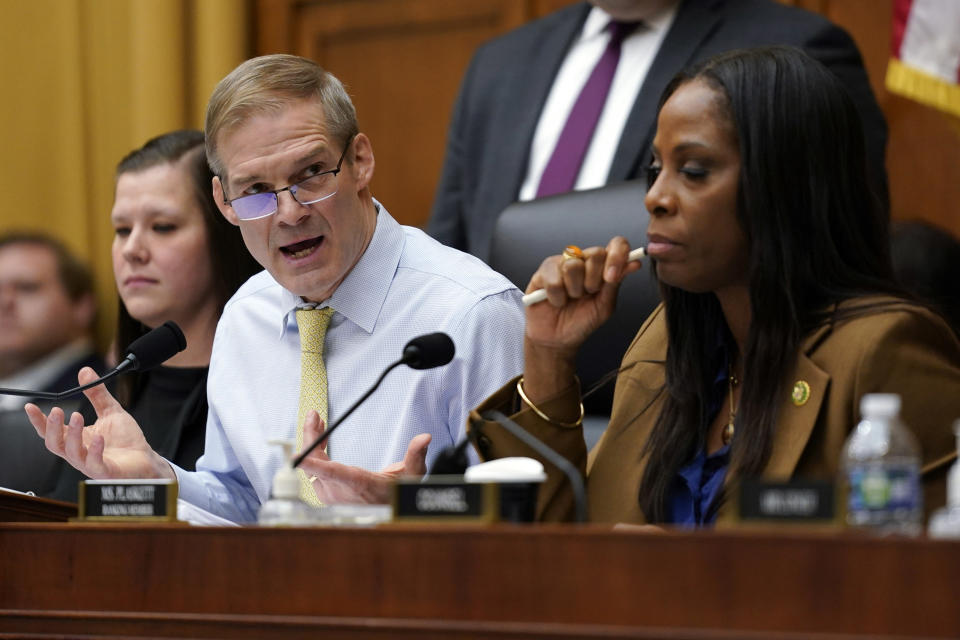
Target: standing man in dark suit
(520, 90)
(47, 311)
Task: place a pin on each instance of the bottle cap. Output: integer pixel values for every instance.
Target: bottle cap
(880, 405)
(286, 483)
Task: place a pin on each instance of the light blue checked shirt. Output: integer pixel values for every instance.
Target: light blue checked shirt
(405, 284)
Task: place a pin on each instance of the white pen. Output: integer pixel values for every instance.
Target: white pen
(541, 294)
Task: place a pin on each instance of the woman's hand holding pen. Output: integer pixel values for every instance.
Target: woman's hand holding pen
(581, 293)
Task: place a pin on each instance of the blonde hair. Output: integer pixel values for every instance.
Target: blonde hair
(268, 84)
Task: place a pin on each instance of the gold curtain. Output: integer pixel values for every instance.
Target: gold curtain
(86, 81)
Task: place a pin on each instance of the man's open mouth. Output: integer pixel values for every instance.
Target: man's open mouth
(303, 248)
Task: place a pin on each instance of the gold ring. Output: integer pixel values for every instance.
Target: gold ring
(572, 252)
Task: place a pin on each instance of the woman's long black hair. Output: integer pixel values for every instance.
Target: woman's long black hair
(817, 234)
(232, 263)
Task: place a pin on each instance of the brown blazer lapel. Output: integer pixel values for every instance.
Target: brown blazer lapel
(798, 410)
(796, 420)
(795, 423)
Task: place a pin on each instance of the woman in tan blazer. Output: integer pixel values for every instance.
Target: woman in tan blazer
(779, 309)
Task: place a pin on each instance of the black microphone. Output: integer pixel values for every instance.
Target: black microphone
(153, 348)
(428, 351)
(144, 353)
(423, 352)
(452, 460)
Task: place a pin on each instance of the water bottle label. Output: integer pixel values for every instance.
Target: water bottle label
(883, 488)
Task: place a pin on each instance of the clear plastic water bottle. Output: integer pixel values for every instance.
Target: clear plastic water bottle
(881, 470)
(945, 523)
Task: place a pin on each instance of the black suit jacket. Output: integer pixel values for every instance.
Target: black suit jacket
(25, 463)
(509, 78)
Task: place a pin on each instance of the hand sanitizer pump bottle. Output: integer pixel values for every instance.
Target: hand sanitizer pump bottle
(881, 470)
(945, 523)
(285, 508)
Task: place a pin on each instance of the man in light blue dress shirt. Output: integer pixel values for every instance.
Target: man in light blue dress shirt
(293, 172)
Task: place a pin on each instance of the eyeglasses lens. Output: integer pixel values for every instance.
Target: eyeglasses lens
(255, 206)
(309, 191)
(315, 188)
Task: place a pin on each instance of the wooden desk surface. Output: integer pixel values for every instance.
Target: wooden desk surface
(470, 582)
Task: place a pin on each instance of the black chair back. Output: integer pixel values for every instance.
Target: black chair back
(528, 232)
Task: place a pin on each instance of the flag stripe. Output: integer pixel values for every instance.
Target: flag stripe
(901, 12)
(922, 87)
(931, 40)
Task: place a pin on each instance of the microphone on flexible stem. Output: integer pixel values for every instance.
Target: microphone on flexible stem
(423, 352)
(452, 460)
(144, 353)
(153, 348)
(557, 460)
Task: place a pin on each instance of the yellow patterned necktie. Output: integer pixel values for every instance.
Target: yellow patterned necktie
(313, 325)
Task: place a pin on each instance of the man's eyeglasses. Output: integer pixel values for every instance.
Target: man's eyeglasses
(315, 188)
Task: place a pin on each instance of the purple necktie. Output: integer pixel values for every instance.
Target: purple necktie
(563, 168)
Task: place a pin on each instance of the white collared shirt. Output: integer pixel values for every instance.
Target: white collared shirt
(636, 55)
(406, 284)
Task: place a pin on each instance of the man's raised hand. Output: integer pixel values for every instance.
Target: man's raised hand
(112, 447)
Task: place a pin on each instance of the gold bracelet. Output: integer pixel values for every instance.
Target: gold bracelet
(542, 415)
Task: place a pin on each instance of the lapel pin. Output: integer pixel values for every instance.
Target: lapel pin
(800, 393)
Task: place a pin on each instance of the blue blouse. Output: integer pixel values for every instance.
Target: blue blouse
(696, 488)
(698, 484)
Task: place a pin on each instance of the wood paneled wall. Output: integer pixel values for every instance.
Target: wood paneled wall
(402, 61)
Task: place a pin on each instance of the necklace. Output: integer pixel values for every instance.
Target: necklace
(727, 434)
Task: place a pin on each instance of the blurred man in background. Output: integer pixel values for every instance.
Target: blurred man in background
(569, 101)
(47, 313)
